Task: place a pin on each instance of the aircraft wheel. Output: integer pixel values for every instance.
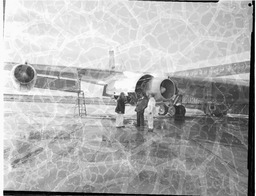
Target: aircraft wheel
(163, 109)
(205, 109)
(172, 111)
(220, 110)
(218, 114)
(212, 109)
(180, 111)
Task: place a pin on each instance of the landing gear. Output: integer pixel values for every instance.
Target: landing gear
(217, 110)
(174, 108)
(176, 111)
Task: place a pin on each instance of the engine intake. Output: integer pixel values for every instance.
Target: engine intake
(163, 88)
(167, 88)
(23, 77)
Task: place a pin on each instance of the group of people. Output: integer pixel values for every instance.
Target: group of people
(143, 102)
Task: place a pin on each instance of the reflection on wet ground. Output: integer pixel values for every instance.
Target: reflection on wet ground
(198, 156)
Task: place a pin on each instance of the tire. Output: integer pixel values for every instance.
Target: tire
(221, 110)
(205, 109)
(172, 111)
(212, 108)
(218, 114)
(163, 109)
(180, 112)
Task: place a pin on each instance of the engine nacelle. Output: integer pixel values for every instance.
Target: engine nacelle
(163, 88)
(23, 77)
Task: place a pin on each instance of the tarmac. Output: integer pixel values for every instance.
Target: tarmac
(48, 147)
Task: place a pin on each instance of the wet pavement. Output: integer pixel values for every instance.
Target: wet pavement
(55, 151)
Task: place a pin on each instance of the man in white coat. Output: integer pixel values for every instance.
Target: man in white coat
(151, 112)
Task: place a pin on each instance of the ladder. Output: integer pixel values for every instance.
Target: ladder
(81, 103)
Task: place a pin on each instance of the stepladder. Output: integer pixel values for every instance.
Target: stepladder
(81, 104)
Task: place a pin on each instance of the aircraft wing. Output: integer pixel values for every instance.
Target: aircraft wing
(64, 78)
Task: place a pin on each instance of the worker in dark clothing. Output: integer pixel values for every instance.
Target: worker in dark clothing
(140, 108)
(120, 110)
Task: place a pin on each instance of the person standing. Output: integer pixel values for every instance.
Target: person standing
(151, 111)
(140, 108)
(120, 110)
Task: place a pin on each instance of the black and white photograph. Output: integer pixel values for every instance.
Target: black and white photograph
(127, 97)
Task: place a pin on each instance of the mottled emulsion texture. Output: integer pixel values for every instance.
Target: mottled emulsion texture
(47, 147)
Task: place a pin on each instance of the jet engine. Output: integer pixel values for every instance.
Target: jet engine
(164, 89)
(166, 92)
(23, 77)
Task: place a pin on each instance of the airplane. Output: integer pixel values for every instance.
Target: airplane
(215, 96)
(173, 92)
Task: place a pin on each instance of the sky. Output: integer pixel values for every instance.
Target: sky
(145, 36)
